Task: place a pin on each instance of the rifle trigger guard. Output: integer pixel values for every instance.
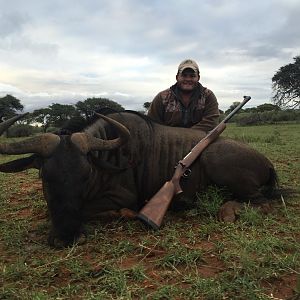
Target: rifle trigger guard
(187, 173)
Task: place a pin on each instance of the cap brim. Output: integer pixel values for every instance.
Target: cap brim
(188, 67)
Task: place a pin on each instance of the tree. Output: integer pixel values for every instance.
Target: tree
(250, 109)
(286, 85)
(267, 107)
(60, 113)
(86, 108)
(9, 105)
(55, 115)
(42, 116)
(232, 107)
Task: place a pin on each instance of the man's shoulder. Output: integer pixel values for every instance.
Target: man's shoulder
(207, 91)
(165, 94)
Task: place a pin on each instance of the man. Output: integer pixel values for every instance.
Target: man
(187, 103)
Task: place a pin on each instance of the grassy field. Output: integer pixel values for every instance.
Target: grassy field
(192, 257)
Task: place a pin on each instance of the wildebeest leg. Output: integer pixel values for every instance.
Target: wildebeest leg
(125, 213)
(244, 185)
(115, 202)
(230, 210)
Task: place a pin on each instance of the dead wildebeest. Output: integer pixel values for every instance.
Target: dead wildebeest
(121, 160)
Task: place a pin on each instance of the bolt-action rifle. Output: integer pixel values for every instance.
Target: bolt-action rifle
(154, 211)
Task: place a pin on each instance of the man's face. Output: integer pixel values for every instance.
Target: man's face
(187, 80)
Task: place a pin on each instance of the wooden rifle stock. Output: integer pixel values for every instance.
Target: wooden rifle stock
(154, 211)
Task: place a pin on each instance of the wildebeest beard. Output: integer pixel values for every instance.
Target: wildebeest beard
(64, 176)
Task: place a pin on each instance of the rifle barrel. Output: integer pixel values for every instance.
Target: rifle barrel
(227, 118)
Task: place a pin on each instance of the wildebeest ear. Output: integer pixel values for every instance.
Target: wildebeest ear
(31, 162)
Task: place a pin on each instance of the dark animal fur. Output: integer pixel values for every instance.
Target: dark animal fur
(78, 186)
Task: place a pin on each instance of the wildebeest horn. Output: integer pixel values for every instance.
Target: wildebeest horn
(43, 145)
(6, 124)
(87, 142)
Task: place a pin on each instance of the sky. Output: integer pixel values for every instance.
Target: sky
(64, 51)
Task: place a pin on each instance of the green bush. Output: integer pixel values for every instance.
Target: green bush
(20, 130)
(248, 119)
(52, 129)
(267, 117)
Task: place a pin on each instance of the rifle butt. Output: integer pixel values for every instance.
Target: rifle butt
(154, 211)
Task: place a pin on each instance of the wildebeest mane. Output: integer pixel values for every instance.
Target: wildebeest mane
(79, 123)
(75, 124)
(107, 110)
(148, 120)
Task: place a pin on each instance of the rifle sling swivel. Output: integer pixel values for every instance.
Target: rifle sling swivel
(187, 172)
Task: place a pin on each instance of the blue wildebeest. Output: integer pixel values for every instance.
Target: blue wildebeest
(121, 160)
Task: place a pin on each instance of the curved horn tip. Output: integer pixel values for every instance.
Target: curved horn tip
(121, 128)
(7, 123)
(97, 114)
(100, 144)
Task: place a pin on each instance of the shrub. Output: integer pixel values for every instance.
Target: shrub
(267, 117)
(248, 119)
(52, 129)
(20, 130)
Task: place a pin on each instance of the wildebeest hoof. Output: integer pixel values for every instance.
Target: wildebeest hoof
(127, 213)
(81, 239)
(229, 211)
(57, 243)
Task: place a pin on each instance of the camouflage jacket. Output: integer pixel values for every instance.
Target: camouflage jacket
(202, 112)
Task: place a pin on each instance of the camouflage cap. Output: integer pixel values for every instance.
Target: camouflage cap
(188, 63)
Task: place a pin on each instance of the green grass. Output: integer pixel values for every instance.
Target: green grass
(193, 256)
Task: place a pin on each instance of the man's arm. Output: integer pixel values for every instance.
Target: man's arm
(156, 109)
(210, 118)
